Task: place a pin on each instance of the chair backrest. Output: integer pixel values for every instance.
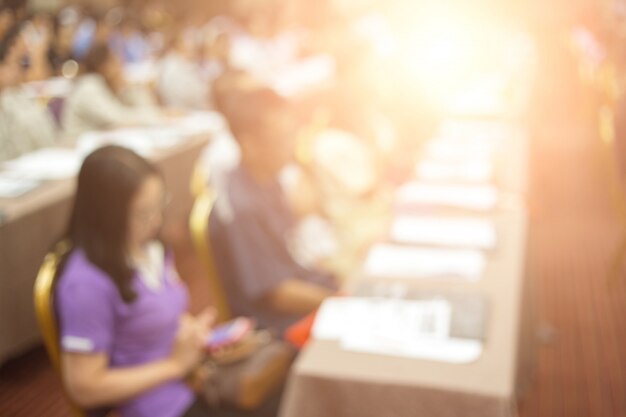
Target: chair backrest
(199, 225)
(46, 313)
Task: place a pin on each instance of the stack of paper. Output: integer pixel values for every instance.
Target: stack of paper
(469, 308)
(408, 262)
(45, 164)
(426, 318)
(142, 140)
(458, 196)
(303, 75)
(472, 171)
(452, 350)
(455, 232)
(418, 329)
(460, 150)
(478, 129)
(132, 139)
(484, 97)
(200, 122)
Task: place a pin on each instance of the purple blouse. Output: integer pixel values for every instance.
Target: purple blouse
(95, 319)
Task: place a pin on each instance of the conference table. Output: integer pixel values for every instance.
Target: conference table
(30, 224)
(330, 380)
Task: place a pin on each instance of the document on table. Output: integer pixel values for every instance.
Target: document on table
(484, 96)
(306, 74)
(199, 122)
(470, 308)
(473, 172)
(465, 232)
(410, 262)
(396, 327)
(132, 139)
(460, 150)
(483, 130)
(146, 140)
(472, 197)
(15, 187)
(45, 164)
(142, 140)
(477, 103)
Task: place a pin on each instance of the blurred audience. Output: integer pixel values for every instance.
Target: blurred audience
(95, 28)
(99, 100)
(63, 32)
(129, 42)
(180, 82)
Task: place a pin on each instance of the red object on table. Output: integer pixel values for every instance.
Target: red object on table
(298, 334)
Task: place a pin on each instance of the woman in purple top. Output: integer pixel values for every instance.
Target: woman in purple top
(127, 342)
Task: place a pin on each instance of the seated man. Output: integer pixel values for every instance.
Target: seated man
(251, 225)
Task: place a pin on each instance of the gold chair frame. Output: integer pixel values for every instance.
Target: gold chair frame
(199, 226)
(44, 288)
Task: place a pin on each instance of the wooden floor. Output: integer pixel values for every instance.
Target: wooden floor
(581, 337)
(581, 366)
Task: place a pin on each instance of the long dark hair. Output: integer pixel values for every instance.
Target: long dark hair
(108, 180)
(95, 59)
(9, 38)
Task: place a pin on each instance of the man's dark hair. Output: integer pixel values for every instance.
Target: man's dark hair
(97, 56)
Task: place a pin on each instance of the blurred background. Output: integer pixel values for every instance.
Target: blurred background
(391, 73)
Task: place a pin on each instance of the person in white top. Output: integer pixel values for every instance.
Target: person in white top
(180, 82)
(98, 101)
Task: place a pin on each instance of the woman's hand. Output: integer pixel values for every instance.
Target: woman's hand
(204, 322)
(188, 350)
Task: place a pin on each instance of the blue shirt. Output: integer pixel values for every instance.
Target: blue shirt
(251, 249)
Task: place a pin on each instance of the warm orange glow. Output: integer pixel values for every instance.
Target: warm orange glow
(456, 56)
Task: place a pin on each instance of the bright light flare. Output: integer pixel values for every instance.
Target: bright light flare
(437, 49)
(442, 52)
(446, 50)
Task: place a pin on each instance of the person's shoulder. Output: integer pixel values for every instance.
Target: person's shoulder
(80, 272)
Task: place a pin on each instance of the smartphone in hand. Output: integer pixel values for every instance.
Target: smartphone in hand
(229, 333)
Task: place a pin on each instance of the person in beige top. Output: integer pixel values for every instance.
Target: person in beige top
(25, 123)
(98, 101)
(180, 83)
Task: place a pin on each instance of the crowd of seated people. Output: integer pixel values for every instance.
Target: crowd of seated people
(99, 98)
(278, 145)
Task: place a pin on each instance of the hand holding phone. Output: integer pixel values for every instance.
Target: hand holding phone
(229, 333)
